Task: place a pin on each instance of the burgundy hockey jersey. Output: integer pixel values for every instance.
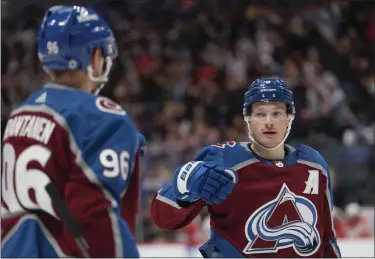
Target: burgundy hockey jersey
(88, 147)
(277, 209)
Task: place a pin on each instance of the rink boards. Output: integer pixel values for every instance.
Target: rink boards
(349, 248)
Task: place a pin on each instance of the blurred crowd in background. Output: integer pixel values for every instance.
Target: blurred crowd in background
(184, 66)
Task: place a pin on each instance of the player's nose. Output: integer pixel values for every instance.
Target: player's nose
(269, 124)
(268, 119)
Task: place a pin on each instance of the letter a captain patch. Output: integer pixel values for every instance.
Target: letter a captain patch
(312, 183)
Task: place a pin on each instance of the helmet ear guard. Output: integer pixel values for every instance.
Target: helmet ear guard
(100, 79)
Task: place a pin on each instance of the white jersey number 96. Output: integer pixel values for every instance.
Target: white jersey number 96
(18, 179)
(115, 164)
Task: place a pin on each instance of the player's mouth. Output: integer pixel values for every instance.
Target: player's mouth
(269, 133)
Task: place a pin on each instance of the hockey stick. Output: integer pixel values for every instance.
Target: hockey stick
(63, 211)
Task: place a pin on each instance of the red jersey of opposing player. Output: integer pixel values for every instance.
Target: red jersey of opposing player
(277, 209)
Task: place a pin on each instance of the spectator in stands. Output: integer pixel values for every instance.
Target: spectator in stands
(189, 65)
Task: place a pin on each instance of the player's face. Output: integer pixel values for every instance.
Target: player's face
(269, 122)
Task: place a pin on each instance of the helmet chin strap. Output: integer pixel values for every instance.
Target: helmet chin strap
(252, 139)
(100, 79)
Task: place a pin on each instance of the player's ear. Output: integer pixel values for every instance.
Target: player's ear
(97, 61)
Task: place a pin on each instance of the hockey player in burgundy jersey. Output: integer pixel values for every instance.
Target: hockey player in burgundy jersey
(83, 145)
(265, 198)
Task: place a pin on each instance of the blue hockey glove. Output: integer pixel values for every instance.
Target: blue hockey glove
(203, 180)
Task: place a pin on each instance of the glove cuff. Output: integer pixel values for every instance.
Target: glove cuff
(184, 204)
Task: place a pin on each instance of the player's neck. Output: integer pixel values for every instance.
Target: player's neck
(276, 154)
(76, 81)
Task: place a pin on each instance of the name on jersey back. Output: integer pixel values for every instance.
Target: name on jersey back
(30, 126)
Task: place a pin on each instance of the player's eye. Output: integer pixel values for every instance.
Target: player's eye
(278, 114)
(260, 115)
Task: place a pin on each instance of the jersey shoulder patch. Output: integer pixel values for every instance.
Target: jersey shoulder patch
(93, 117)
(107, 105)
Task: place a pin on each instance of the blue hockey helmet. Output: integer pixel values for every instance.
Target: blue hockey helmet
(67, 37)
(266, 90)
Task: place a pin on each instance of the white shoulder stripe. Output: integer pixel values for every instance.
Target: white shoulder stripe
(167, 201)
(315, 165)
(245, 163)
(85, 168)
(291, 149)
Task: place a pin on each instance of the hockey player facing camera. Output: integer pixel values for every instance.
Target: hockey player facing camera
(64, 139)
(265, 198)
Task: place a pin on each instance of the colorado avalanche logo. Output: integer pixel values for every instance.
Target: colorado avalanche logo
(107, 105)
(287, 221)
